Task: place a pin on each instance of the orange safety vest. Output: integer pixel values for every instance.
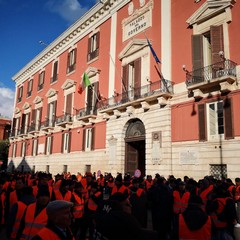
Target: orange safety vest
(57, 185)
(33, 224)
(100, 182)
(139, 192)
(148, 184)
(214, 215)
(230, 190)
(121, 189)
(237, 193)
(204, 194)
(180, 203)
(48, 234)
(19, 215)
(59, 196)
(91, 204)
(202, 234)
(78, 207)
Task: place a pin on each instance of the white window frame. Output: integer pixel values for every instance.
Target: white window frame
(23, 149)
(35, 143)
(48, 147)
(88, 139)
(212, 121)
(65, 142)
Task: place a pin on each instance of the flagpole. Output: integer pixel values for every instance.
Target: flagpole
(157, 62)
(119, 75)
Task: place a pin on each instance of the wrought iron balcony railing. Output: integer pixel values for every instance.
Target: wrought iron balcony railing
(48, 123)
(66, 118)
(83, 112)
(34, 127)
(214, 71)
(152, 89)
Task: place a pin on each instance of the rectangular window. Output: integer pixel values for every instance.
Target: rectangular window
(93, 46)
(41, 80)
(20, 93)
(47, 169)
(29, 88)
(35, 147)
(23, 150)
(48, 146)
(14, 150)
(72, 60)
(51, 114)
(88, 139)
(87, 168)
(66, 142)
(215, 119)
(65, 168)
(54, 72)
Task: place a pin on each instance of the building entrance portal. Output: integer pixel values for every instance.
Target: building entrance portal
(135, 147)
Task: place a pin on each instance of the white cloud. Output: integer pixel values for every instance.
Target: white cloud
(6, 102)
(70, 10)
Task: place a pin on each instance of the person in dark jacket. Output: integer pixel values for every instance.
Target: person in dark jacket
(194, 223)
(161, 207)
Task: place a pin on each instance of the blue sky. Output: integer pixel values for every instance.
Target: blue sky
(23, 23)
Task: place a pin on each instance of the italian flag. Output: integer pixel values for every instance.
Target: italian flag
(84, 83)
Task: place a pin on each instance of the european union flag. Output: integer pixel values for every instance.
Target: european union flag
(153, 52)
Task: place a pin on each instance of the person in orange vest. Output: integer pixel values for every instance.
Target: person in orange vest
(16, 194)
(17, 212)
(119, 186)
(95, 198)
(205, 191)
(63, 192)
(223, 213)
(138, 200)
(78, 211)
(237, 197)
(194, 223)
(180, 202)
(35, 217)
(59, 221)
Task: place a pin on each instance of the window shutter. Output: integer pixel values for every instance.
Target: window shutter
(54, 110)
(89, 99)
(45, 147)
(51, 146)
(68, 61)
(69, 142)
(97, 95)
(69, 104)
(14, 125)
(55, 70)
(125, 79)
(228, 118)
(202, 122)
(34, 116)
(97, 40)
(37, 148)
(84, 139)
(23, 121)
(48, 112)
(62, 147)
(40, 117)
(75, 55)
(197, 51)
(216, 33)
(89, 49)
(93, 139)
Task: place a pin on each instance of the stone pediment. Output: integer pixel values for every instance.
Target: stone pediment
(51, 92)
(68, 84)
(92, 71)
(26, 105)
(133, 46)
(210, 9)
(37, 100)
(17, 110)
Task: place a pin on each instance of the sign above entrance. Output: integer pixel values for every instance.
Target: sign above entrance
(138, 22)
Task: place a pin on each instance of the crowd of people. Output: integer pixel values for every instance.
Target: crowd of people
(102, 207)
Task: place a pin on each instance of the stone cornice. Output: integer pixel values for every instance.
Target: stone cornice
(78, 30)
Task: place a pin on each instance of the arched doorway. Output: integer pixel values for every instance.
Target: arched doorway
(135, 147)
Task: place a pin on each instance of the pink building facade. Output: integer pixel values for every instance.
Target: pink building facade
(175, 113)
